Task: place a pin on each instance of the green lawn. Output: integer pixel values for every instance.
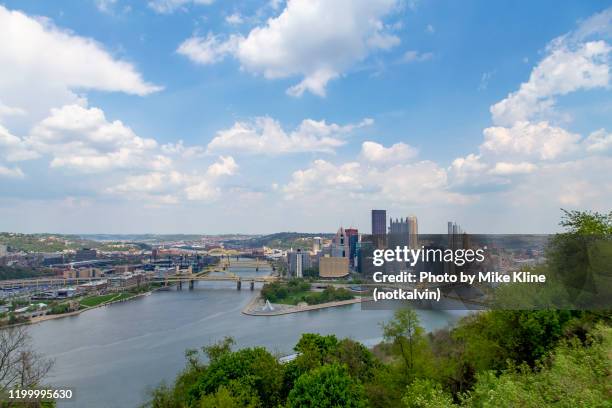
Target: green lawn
(294, 298)
(314, 297)
(92, 301)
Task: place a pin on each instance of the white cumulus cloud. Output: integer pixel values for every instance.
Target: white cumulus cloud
(265, 135)
(82, 139)
(414, 183)
(599, 141)
(11, 172)
(377, 153)
(525, 139)
(566, 69)
(209, 49)
(173, 186)
(505, 168)
(318, 40)
(43, 65)
(13, 148)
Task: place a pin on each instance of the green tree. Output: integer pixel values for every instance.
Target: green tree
(325, 387)
(495, 337)
(315, 350)
(424, 393)
(586, 222)
(572, 376)
(579, 258)
(215, 351)
(232, 397)
(406, 334)
(254, 368)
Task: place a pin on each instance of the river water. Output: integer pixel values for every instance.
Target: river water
(112, 355)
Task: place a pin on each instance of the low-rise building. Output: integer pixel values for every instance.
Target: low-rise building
(93, 286)
(61, 293)
(126, 280)
(333, 267)
(77, 273)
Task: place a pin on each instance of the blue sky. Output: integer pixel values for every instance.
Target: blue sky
(301, 115)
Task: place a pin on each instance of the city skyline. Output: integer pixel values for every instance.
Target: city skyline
(180, 117)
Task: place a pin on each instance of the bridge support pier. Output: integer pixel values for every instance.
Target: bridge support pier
(238, 284)
(252, 285)
(180, 285)
(191, 284)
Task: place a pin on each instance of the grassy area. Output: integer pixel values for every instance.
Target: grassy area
(297, 290)
(92, 301)
(294, 298)
(125, 296)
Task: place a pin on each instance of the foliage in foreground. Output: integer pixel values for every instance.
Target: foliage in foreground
(462, 367)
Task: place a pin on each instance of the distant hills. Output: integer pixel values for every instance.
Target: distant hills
(282, 240)
(46, 242)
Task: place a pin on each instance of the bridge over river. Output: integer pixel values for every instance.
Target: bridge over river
(216, 273)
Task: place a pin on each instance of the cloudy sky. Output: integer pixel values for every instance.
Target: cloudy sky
(210, 116)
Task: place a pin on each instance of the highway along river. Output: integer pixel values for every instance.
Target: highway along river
(111, 356)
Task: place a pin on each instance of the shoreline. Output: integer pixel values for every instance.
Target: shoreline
(47, 317)
(289, 309)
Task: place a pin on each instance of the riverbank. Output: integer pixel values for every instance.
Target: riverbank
(256, 305)
(43, 318)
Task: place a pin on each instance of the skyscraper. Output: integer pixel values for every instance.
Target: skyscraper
(379, 222)
(413, 231)
(317, 243)
(454, 235)
(298, 261)
(398, 232)
(352, 235)
(340, 245)
(404, 231)
(379, 228)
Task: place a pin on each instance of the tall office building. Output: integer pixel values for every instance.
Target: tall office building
(298, 261)
(364, 258)
(352, 235)
(404, 231)
(457, 239)
(379, 228)
(413, 232)
(317, 243)
(379, 222)
(398, 232)
(340, 245)
(454, 235)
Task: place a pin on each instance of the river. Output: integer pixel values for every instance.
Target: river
(112, 355)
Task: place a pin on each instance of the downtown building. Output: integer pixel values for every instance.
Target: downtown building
(297, 261)
(379, 228)
(317, 245)
(336, 265)
(352, 235)
(403, 232)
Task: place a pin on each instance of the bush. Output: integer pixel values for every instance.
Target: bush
(327, 386)
(60, 308)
